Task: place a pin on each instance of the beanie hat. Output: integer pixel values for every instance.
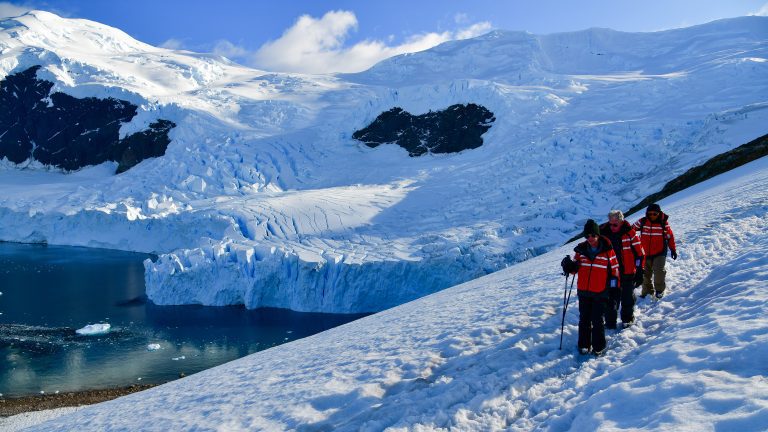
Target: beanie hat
(591, 227)
(653, 207)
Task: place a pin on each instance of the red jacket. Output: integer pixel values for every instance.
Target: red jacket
(628, 249)
(595, 274)
(656, 237)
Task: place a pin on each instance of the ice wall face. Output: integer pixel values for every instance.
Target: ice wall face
(238, 275)
(264, 197)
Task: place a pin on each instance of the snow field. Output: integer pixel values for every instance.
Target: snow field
(483, 355)
(263, 199)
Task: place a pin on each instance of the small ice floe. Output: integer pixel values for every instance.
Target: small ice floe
(93, 329)
(178, 358)
(153, 347)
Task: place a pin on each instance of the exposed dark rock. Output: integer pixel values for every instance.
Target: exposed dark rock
(456, 128)
(70, 133)
(142, 145)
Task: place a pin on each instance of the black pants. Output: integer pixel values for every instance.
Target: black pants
(591, 327)
(624, 297)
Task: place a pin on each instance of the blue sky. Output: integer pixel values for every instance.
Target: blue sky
(346, 36)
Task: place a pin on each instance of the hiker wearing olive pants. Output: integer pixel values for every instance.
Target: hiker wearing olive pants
(657, 239)
(654, 276)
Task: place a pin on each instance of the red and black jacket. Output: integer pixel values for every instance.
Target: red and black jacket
(627, 247)
(656, 237)
(596, 270)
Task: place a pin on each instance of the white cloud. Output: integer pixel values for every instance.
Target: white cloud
(174, 44)
(222, 47)
(228, 49)
(763, 11)
(12, 10)
(309, 44)
(474, 30)
(314, 45)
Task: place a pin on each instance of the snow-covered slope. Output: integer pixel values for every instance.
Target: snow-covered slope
(483, 355)
(263, 198)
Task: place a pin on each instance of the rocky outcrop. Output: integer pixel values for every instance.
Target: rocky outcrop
(456, 128)
(70, 133)
(142, 145)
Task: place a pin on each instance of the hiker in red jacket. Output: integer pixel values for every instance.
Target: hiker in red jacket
(631, 256)
(657, 238)
(597, 268)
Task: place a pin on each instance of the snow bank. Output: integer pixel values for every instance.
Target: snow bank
(483, 355)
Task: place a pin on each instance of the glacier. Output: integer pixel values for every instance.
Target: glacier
(264, 199)
(484, 355)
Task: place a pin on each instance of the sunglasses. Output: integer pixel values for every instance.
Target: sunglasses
(615, 224)
(652, 213)
(590, 235)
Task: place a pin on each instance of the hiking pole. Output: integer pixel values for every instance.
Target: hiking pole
(566, 300)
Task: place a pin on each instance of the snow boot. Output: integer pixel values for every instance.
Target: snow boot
(659, 295)
(584, 351)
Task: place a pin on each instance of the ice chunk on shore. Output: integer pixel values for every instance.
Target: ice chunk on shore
(153, 347)
(93, 329)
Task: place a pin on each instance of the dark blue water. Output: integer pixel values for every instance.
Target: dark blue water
(48, 292)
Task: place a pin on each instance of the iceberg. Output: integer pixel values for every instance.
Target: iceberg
(94, 329)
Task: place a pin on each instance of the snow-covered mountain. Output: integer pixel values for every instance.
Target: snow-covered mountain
(264, 198)
(484, 355)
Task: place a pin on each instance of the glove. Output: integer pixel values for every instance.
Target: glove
(568, 265)
(638, 277)
(673, 254)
